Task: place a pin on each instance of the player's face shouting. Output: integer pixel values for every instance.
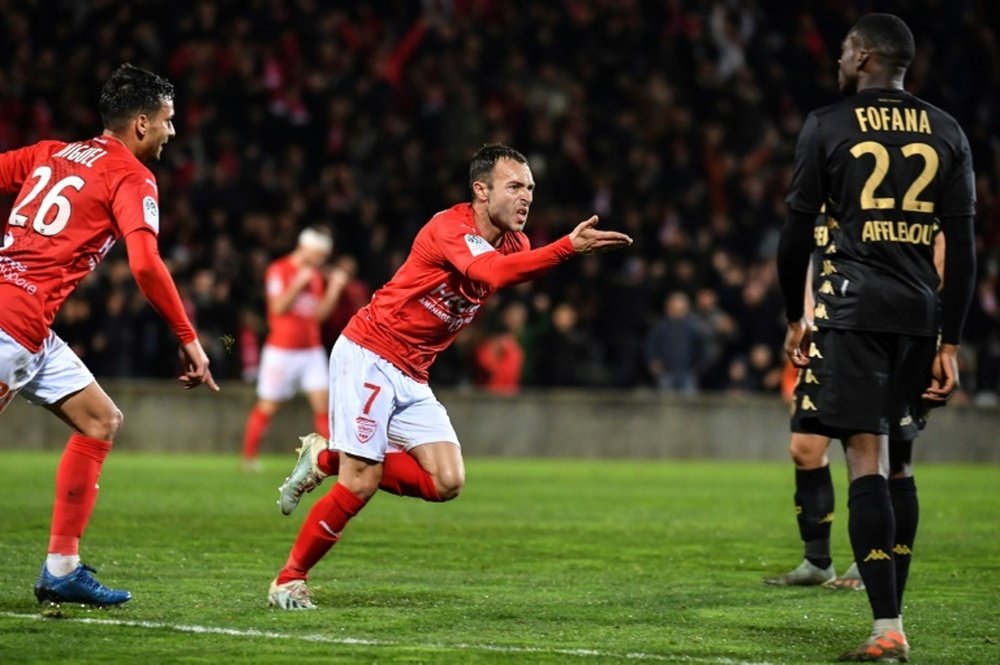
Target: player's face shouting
(159, 130)
(510, 195)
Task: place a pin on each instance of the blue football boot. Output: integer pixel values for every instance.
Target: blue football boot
(77, 587)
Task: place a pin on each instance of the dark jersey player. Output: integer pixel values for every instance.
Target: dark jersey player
(889, 167)
(814, 493)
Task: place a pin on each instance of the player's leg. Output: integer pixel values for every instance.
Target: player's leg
(914, 361)
(276, 383)
(430, 464)
(362, 401)
(872, 528)
(855, 398)
(906, 509)
(257, 424)
(814, 507)
(431, 471)
(321, 530)
(65, 387)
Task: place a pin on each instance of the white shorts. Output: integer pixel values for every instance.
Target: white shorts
(375, 408)
(285, 372)
(44, 377)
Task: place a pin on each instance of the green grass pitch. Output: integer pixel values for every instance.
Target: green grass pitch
(538, 561)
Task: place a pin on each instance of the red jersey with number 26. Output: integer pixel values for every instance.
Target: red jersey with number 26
(74, 201)
(421, 310)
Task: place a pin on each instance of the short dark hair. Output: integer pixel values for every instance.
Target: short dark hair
(131, 91)
(887, 36)
(486, 158)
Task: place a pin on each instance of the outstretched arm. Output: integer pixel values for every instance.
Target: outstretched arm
(500, 270)
(157, 286)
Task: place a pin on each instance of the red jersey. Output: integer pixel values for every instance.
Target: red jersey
(420, 311)
(297, 328)
(74, 201)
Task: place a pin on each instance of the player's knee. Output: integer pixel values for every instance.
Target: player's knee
(363, 487)
(104, 425)
(807, 455)
(449, 483)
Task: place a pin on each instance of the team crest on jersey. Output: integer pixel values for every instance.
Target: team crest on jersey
(366, 428)
(151, 213)
(477, 244)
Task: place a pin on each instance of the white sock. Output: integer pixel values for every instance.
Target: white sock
(61, 565)
(882, 625)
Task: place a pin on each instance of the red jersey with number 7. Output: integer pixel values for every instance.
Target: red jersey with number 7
(421, 310)
(74, 200)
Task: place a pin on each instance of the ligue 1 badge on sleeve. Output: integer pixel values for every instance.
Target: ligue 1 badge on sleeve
(477, 244)
(151, 213)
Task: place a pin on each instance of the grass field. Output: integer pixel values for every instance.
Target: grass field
(538, 561)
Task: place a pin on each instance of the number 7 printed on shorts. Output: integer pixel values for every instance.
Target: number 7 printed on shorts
(367, 426)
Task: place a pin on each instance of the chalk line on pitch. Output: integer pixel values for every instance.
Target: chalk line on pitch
(355, 641)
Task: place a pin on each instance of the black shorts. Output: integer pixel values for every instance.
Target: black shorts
(863, 382)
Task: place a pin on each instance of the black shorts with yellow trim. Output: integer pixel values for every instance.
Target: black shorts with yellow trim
(859, 381)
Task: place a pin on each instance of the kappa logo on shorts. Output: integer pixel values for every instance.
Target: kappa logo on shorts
(366, 428)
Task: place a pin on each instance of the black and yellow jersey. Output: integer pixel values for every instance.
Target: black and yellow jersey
(889, 168)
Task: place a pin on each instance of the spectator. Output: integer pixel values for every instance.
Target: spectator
(675, 347)
(568, 356)
(499, 357)
(361, 118)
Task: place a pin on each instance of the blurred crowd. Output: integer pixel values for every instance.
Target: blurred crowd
(674, 120)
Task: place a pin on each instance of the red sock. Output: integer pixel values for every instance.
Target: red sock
(76, 491)
(403, 475)
(328, 462)
(257, 423)
(320, 531)
(321, 423)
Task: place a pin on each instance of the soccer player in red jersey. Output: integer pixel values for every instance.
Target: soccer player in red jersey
(379, 398)
(293, 358)
(74, 200)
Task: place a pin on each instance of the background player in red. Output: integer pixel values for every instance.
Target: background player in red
(74, 200)
(293, 359)
(378, 368)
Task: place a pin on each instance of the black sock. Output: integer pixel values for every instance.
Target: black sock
(872, 529)
(906, 508)
(814, 510)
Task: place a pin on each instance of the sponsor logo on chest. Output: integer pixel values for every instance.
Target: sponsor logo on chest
(452, 308)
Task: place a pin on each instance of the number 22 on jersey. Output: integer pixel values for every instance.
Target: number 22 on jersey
(45, 221)
(881, 167)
